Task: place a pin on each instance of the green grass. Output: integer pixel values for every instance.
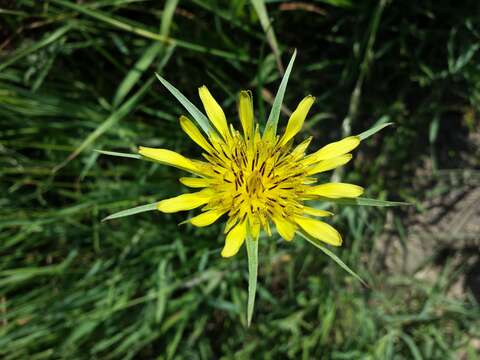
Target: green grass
(79, 76)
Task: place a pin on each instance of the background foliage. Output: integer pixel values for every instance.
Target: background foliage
(79, 75)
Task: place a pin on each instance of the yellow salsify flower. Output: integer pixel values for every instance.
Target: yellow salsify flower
(257, 180)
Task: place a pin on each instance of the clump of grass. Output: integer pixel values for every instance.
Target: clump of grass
(75, 76)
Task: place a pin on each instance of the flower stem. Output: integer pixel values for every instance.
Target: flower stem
(252, 252)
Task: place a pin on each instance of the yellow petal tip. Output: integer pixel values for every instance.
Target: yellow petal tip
(338, 242)
(226, 254)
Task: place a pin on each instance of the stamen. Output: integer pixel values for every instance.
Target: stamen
(263, 178)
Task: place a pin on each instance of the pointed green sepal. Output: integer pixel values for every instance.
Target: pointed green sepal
(197, 115)
(329, 253)
(271, 126)
(132, 211)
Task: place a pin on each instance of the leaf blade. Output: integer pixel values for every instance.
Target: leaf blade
(120, 23)
(148, 56)
(119, 154)
(332, 256)
(126, 108)
(379, 125)
(197, 115)
(277, 103)
(132, 211)
(366, 202)
(261, 10)
(45, 41)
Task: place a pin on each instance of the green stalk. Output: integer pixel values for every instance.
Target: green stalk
(252, 252)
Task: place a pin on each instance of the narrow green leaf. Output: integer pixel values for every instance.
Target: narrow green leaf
(252, 253)
(261, 10)
(132, 211)
(116, 116)
(127, 26)
(434, 125)
(224, 13)
(167, 16)
(277, 103)
(380, 124)
(414, 350)
(162, 290)
(136, 72)
(17, 275)
(46, 40)
(334, 257)
(197, 115)
(149, 55)
(114, 153)
(173, 344)
(365, 202)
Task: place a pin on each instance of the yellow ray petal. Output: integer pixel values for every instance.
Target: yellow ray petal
(333, 150)
(207, 218)
(296, 120)
(195, 182)
(285, 228)
(299, 150)
(168, 157)
(329, 164)
(316, 212)
(231, 222)
(245, 112)
(336, 190)
(234, 240)
(319, 230)
(192, 131)
(184, 202)
(214, 111)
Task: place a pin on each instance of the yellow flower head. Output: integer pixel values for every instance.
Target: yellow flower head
(256, 180)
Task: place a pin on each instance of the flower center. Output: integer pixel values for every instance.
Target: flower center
(254, 186)
(256, 178)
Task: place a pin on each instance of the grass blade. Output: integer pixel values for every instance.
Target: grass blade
(140, 31)
(414, 350)
(167, 16)
(366, 202)
(136, 72)
(48, 39)
(148, 56)
(197, 115)
(132, 211)
(116, 116)
(114, 153)
(261, 10)
(252, 253)
(379, 125)
(277, 103)
(332, 256)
